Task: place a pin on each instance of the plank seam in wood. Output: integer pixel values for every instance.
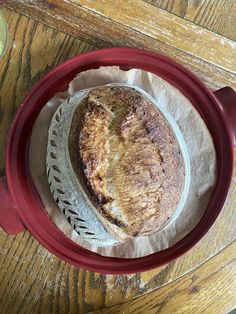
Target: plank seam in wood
(91, 42)
(170, 29)
(188, 20)
(171, 283)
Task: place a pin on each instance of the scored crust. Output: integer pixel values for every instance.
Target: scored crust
(77, 165)
(131, 160)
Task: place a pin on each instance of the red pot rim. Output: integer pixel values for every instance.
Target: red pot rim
(25, 196)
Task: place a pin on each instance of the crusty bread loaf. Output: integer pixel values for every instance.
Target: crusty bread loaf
(132, 161)
(77, 165)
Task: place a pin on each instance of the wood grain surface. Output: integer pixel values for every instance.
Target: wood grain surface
(204, 290)
(167, 28)
(33, 280)
(216, 15)
(100, 31)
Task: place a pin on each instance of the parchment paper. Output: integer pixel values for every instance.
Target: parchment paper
(197, 138)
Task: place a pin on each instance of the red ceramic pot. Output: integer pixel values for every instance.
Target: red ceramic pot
(20, 206)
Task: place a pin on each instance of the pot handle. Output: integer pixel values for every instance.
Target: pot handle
(227, 98)
(10, 220)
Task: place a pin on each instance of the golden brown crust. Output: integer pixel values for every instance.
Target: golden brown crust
(77, 165)
(131, 159)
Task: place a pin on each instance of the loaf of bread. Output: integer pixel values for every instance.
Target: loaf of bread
(132, 163)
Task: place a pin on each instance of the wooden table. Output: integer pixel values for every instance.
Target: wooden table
(42, 33)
